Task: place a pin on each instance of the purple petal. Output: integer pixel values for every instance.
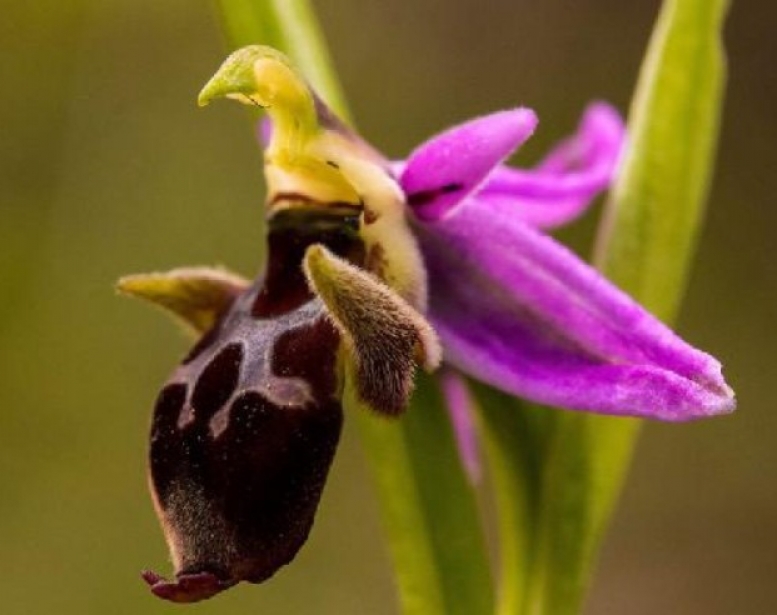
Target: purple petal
(519, 311)
(446, 169)
(264, 131)
(459, 400)
(562, 186)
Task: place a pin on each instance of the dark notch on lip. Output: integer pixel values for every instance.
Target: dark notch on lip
(187, 587)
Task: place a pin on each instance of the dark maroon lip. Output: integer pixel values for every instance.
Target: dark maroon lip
(187, 587)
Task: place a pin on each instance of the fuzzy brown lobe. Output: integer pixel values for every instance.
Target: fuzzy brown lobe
(385, 335)
(246, 428)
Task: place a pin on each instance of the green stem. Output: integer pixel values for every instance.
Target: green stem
(645, 246)
(428, 507)
(654, 216)
(516, 438)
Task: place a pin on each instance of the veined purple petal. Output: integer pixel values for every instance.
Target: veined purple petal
(562, 186)
(521, 312)
(459, 401)
(443, 171)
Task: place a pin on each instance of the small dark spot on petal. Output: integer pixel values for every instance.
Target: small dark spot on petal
(424, 197)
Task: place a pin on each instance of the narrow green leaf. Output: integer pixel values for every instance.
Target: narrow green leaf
(516, 437)
(585, 463)
(655, 213)
(645, 246)
(428, 507)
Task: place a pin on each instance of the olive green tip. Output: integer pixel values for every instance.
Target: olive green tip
(238, 78)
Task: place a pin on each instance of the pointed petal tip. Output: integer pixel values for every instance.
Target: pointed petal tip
(525, 119)
(196, 295)
(673, 399)
(429, 351)
(510, 125)
(128, 284)
(444, 170)
(564, 184)
(202, 100)
(719, 399)
(518, 311)
(714, 406)
(601, 109)
(603, 122)
(316, 256)
(724, 402)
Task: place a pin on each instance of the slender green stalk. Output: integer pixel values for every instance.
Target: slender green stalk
(645, 245)
(657, 206)
(429, 508)
(516, 438)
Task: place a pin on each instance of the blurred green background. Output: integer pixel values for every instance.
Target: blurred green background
(108, 167)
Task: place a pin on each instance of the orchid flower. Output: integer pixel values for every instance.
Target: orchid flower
(375, 268)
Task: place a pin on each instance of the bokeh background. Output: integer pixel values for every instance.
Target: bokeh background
(108, 167)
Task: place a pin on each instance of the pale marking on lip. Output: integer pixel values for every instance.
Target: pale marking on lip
(278, 390)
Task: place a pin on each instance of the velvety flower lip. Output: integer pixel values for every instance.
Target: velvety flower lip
(519, 311)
